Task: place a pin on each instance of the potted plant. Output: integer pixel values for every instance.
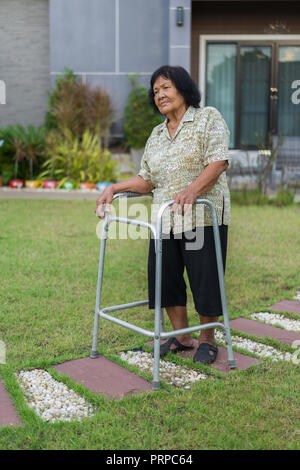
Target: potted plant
(33, 184)
(50, 184)
(16, 184)
(22, 145)
(87, 186)
(50, 166)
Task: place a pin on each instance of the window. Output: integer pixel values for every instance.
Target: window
(252, 83)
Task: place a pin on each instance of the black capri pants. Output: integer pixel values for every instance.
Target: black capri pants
(201, 267)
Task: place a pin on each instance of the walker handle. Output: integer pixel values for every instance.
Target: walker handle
(130, 194)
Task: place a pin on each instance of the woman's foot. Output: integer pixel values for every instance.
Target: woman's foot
(174, 346)
(207, 350)
(185, 340)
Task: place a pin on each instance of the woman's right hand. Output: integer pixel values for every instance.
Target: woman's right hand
(104, 201)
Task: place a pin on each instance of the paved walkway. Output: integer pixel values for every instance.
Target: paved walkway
(107, 378)
(8, 413)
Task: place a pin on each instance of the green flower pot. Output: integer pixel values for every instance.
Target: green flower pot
(68, 185)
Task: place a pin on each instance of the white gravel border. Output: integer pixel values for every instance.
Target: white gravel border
(52, 400)
(276, 319)
(297, 295)
(254, 347)
(169, 372)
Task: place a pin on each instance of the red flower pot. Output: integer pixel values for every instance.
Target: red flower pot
(16, 184)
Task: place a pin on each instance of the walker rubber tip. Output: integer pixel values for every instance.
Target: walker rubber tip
(94, 354)
(155, 385)
(232, 364)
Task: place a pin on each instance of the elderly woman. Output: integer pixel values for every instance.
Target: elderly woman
(185, 158)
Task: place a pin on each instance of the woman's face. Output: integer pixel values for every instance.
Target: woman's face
(166, 96)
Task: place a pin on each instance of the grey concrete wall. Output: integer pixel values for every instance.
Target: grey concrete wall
(24, 60)
(102, 40)
(106, 40)
(180, 36)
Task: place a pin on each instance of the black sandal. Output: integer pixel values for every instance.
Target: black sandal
(203, 354)
(166, 347)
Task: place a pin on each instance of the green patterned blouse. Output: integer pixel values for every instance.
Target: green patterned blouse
(201, 138)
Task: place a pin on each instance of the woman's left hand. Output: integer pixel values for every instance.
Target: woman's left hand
(184, 201)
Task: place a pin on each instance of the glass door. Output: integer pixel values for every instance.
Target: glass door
(253, 84)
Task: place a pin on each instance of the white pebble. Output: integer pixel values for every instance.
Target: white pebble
(276, 319)
(297, 295)
(50, 399)
(254, 347)
(169, 372)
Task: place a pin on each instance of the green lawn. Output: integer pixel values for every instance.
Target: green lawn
(49, 259)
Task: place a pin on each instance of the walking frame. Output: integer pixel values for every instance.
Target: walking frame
(159, 332)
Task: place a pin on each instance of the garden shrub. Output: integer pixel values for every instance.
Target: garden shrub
(22, 151)
(248, 197)
(76, 107)
(77, 159)
(140, 117)
(284, 197)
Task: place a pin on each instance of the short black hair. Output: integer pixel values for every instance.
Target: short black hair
(183, 83)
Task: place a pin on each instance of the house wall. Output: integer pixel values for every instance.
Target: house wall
(24, 61)
(106, 40)
(238, 18)
(103, 41)
(180, 36)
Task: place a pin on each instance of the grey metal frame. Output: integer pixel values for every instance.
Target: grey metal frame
(158, 332)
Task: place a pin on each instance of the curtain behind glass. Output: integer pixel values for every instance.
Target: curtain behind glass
(288, 109)
(220, 82)
(255, 76)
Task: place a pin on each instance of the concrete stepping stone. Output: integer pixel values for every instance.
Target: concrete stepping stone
(103, 376)
(262, 330)
(242, 361)
(8, 413)
(292, 306)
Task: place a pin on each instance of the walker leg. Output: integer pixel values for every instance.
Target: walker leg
(158, 315)
(155, 382)
(94, 352)
(231, 360)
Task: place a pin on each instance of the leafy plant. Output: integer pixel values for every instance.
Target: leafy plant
(248, 197)
(68, 77)
(140, 117)
(23, 144)
(284, 197)
(78, 160)
(75, 106)
(6, 172)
